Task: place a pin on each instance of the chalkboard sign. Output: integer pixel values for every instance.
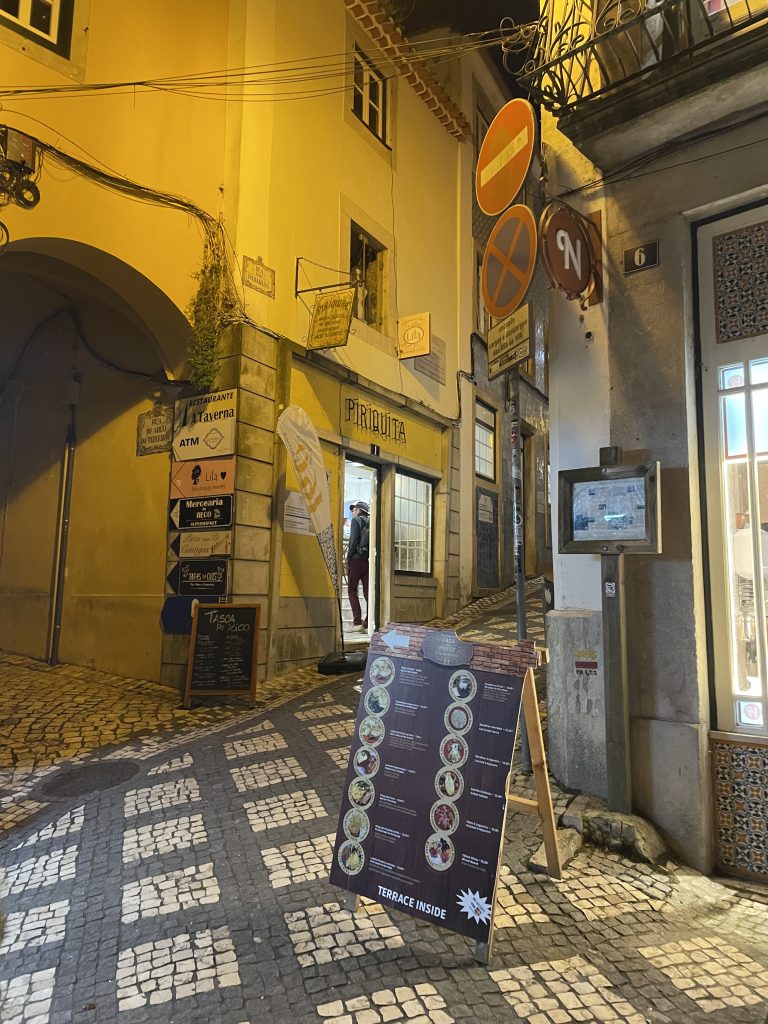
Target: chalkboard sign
(224, 651)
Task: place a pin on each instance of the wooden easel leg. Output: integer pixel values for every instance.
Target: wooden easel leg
(351, 902)
(540, 776)
(482, 952)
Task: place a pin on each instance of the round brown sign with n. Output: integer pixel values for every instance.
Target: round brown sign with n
(509, 261)
(566, 249)
(505, 156)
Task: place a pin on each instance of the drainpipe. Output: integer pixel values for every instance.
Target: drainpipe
(62, 532)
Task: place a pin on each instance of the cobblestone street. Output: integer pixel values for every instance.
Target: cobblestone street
(194, 888)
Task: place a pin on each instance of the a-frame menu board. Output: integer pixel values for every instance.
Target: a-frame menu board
(425, 795)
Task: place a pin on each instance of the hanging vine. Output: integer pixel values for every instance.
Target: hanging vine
(213, 307)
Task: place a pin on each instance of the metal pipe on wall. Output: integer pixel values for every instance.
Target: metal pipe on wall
(62, 532)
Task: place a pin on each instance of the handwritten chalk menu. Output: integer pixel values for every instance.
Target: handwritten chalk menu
(424, 803)
(224, 650)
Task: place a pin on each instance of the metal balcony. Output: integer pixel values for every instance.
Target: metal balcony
(580, 49)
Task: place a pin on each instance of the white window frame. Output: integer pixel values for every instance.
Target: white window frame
(363, 92)
(414, 524)
(485, 429)
(23, 21)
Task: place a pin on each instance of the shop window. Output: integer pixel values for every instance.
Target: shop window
(485, 441)
(366, 262)
(413, 524)
(47, 22)
(369, 96)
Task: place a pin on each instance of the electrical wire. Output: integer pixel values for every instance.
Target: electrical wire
(403, 57)
(72, 314)
(634, 169)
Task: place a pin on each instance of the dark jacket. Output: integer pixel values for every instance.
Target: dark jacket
(355, 533)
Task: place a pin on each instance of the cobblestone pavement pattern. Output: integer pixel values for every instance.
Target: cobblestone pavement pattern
(196, 890)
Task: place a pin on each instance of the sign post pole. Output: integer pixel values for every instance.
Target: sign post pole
(616, 682)
(518, 539)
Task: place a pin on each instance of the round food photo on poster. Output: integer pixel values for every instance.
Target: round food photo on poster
(351, 857)
(449, 783)
(361, 792)
(377, 701)
(454, 751)
(462, 685)
(444, 817)
(382, 672)
(371, 731)
(458, 719)
(440, 852)
(356, 824)
(366, 761)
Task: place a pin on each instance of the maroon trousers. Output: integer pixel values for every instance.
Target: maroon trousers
(357, 572)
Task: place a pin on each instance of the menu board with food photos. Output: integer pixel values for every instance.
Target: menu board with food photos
(424, 803)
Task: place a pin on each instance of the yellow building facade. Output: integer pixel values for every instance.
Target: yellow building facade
(308, 171)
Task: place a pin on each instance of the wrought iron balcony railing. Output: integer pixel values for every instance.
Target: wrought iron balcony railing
(580, 49)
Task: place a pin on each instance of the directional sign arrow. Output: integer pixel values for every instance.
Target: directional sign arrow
(393, 639)
(174, 513)
(173, 578)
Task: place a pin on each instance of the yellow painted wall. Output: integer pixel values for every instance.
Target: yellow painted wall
(164, 141)
(303, 163)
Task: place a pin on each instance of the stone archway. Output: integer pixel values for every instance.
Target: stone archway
(87, 344)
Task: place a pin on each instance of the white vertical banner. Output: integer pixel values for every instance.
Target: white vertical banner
(299, 436)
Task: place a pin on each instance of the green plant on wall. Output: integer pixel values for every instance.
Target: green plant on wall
(213, 307)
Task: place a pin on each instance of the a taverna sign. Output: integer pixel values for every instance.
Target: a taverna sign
(204, 426)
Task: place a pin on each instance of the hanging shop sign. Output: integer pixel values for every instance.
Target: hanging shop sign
(154, 430)
(641, 257)
(199, 478)
(201, 544)
(205, 426)
(414, 336)
(566, 248)
(505, 156)
(331, 318)
(509, 261)
(200, 513)
(425, 795)
(258, 276)
(509, 342)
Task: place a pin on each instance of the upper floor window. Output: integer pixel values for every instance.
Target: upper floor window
(369, 96)
(366, 264)
(47, 22)
(485, 441)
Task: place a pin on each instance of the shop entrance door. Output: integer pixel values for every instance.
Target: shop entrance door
(361, 483)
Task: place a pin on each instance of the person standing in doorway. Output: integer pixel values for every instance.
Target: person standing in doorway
(357, 562)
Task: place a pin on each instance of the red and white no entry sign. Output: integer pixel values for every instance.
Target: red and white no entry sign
(505, 156)
(509, 261)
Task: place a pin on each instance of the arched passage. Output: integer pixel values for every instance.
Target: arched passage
(87, 345)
